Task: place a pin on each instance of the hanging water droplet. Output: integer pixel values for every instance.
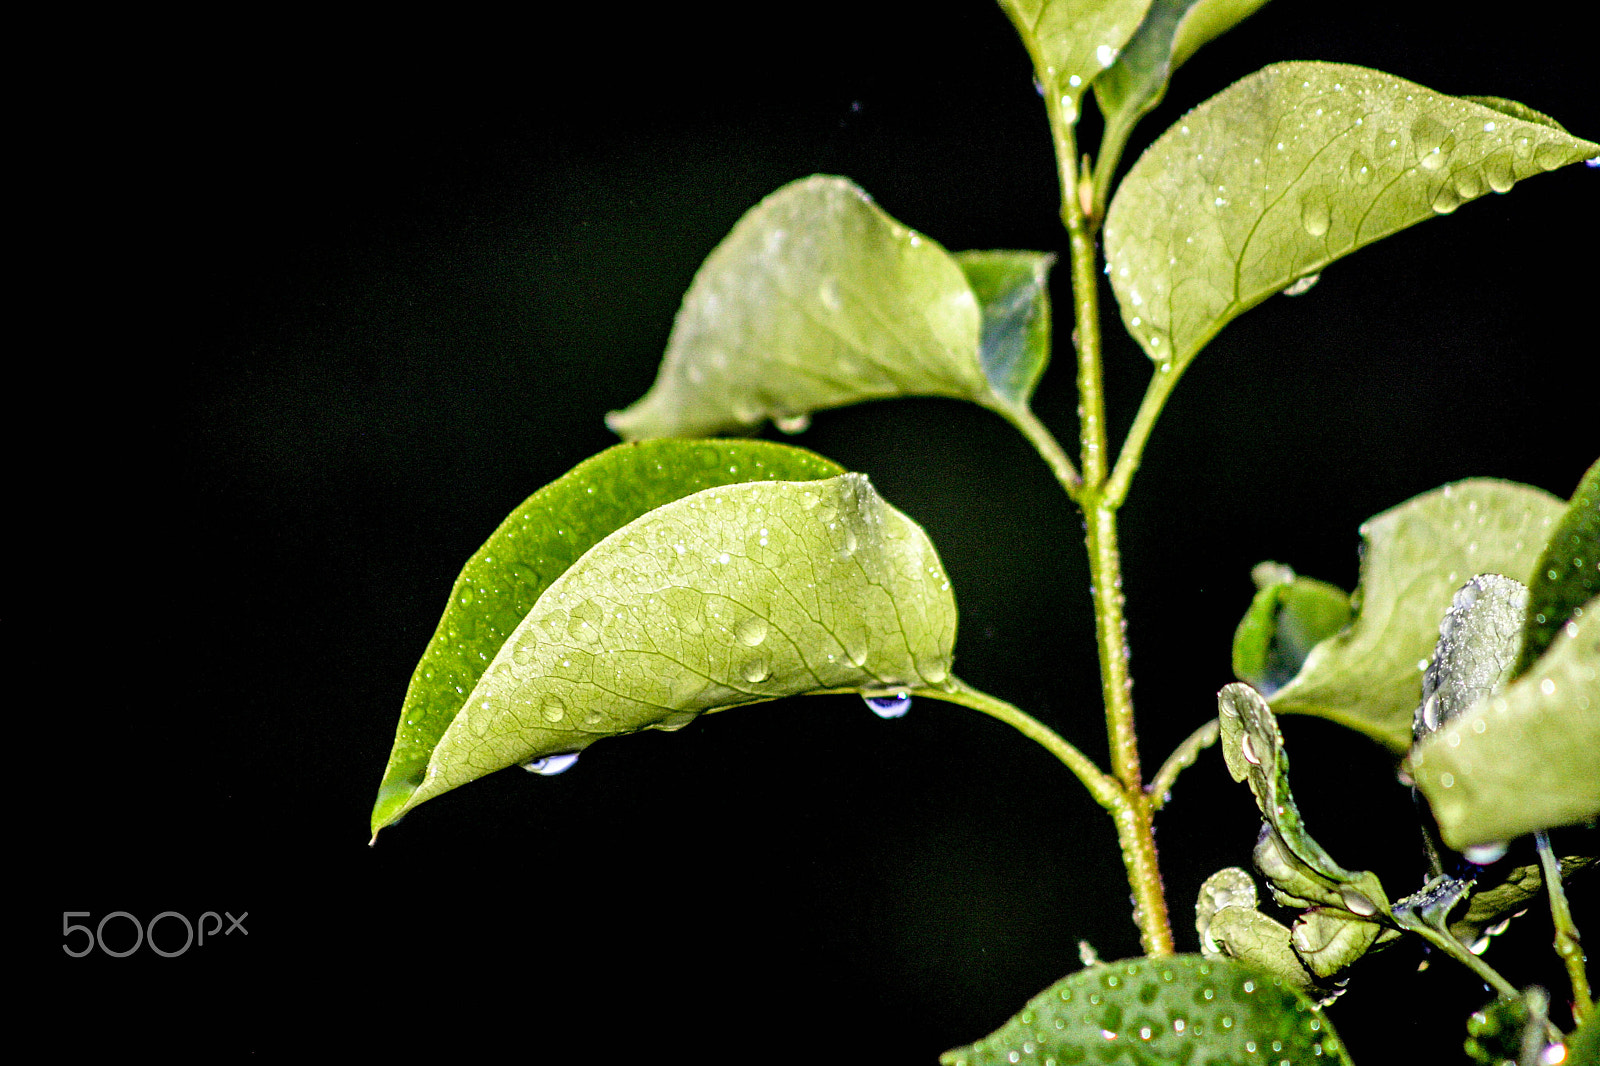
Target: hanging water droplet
(1469, 184)
(893, 705)
(1432, 142)
(755, 670)
(792, 424)
(933, 671)
(674, 722)
(1314, 216)
(1485, 854)
(1446, 200)
(550, 765)
(1356, 903)
(1549, 156)
(1304, 285)
(751, 631)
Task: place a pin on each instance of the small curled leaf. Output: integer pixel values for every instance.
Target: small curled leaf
(1567, 574)
(1289, 616)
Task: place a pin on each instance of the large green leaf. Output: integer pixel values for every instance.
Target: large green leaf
(1416, 556)
(1158, 1011)
(1568, 573)
(538, 542)
(733, 595)
(1477, 647)
(1072, 41)
(819, 299)
(1524, 759)
(1289, 169)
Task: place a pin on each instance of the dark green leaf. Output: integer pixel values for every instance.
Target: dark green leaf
(1289, 616)
(1181, 1009)
(1477, 647)
(1493, 903)
(733, 595)
(1013, 291)
(1523, 759)
(818, 299)
(1072, 41)
(1568, 573)
(544, 536)
(1296, 864)
(1287, 170)
(1416, 556)
(1511, 1032)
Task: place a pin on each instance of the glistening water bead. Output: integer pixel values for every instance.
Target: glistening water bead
(550, 765)
(891, 706)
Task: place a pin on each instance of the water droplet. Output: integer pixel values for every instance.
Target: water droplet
(893, 705)
(1446, 200)
(553, 710)
(1360, 169)
(828, 293)
(755, 670)
(1304, 285)
(1485, 854)
(751, 631)
(1499, 172)
(1069, 109)
(1549, 156)
(1314, 216)
(1432, 142)
(1469, 184)
(934, 671)
(792, 424)
(1248, 749)
(674, 722)
(1105, 55)
(550, 765)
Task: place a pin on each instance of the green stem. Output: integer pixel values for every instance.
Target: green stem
(1100, 786)
(1567, 943)
(1134, 815)
(1162, 382)
(1045, 443)
(1182, 757)
(1452, 947)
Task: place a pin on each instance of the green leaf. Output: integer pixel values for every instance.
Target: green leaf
(1567, 574)
(1523, 759)
(733, 595)
(1287, 170)
(1231, 927)
(818, 299)
(1013, 291)
(1477, 647)
(1157, 1011)
(1416, 556)
(1492, 905)
(1297, 865)
(540, 540)
(1072, 41)
(1289, 616)
(1172, 31)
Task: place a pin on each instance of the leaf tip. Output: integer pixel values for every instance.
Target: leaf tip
(394, 799)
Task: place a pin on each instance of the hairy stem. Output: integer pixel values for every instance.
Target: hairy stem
(1100, 786)
(1133, 816)
(1567, 942)
(1045, 443)
(1182, 757)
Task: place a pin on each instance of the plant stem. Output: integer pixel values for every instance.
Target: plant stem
(1182, 757)
(1162, 382)
(1102, 787)
(1567, 942)
(1045, 443)
(1133, 815)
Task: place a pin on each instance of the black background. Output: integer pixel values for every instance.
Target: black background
(346, 294)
